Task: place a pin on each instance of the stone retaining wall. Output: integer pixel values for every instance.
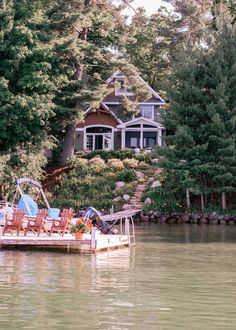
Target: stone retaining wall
(198, 218)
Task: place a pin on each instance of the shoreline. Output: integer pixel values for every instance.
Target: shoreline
(190, 218)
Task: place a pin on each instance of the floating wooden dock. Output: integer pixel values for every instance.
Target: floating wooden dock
(66, 243)
(128, 214)
(90, 243)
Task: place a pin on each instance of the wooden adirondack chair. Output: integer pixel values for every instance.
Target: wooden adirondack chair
(14, 223)
(60, 226)
(36, 225)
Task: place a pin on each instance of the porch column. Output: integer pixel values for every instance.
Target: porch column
(141, 136)
(159, 137)
(123, 138)
(85, 140)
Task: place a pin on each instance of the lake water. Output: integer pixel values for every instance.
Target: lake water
(177, 277)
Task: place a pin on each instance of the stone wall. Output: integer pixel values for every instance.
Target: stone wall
(198, 218)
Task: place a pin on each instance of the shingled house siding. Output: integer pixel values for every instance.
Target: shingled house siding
(79, 140)
(98, 118)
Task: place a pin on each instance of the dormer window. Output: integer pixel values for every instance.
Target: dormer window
(147, 111)
(121, 87)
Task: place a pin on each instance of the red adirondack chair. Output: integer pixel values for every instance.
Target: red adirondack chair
(36, 225)
(14, 223)
(60, 226)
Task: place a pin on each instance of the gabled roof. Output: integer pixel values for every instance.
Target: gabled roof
(105, 107)
(156, 98)
(139, 121)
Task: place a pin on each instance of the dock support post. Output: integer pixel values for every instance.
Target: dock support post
(1, 231)
(127, 229)
(93, 239)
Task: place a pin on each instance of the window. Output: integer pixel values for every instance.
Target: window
(89, 142)
(121, 88)
(147, 111)
(133, 142)
(98, 138)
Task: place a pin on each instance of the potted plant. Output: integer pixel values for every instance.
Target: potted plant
(80, 227)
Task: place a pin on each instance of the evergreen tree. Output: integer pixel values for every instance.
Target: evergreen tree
(84, 34)
(202, 155)
(27, 86)
(151, 41)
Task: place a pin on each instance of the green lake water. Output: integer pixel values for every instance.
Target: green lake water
(177, 277)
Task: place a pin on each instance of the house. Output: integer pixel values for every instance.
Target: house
(110, 128)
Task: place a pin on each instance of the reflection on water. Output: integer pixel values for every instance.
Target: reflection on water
(177, 277)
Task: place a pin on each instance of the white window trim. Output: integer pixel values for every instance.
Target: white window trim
(123, 93)
(93, 134)
(151, 108)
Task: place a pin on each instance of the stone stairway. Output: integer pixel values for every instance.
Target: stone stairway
(135, 200)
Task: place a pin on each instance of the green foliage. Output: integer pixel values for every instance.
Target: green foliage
(143, 166)
(130, 163)
(115, 164)
(127, 176)
(162, 200)
(201, 155)
(15, 166)
(119, 154)
(26, 86)
(78, 227)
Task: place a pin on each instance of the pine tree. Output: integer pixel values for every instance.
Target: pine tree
(202, 155)
(151, 41)
(83, 34)
(26, 87)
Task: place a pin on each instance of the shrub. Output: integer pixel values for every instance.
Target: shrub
(143, 165)
(162, 200)
(130, 162)
(127, 176)
(97, 164)
(144, 157)
(115, 164)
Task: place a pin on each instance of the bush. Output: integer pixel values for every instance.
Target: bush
(127, 176)
(143, 166)
(78, 162)
(144, 157)
(162, 200)
(130, 162)
(115, 164)
(119, 154)
(97, 164)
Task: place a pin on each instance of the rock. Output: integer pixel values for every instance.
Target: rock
(148, 201)
(126, 207)
(139, 174)
(119, 184)
(145, 218)
(157, 214)
(185, 217)
(203, 221)
(117, 199)
(196, 216)
(155, 161)
(126, 197)
(156, 184)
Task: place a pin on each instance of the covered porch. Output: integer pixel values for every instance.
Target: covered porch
(141, 133)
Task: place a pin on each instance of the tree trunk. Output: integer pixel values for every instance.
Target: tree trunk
(70, 138)
(69, 143)
(223, 200)
(188, 202)
(202, 202)
(205, 200)
(212, 198)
